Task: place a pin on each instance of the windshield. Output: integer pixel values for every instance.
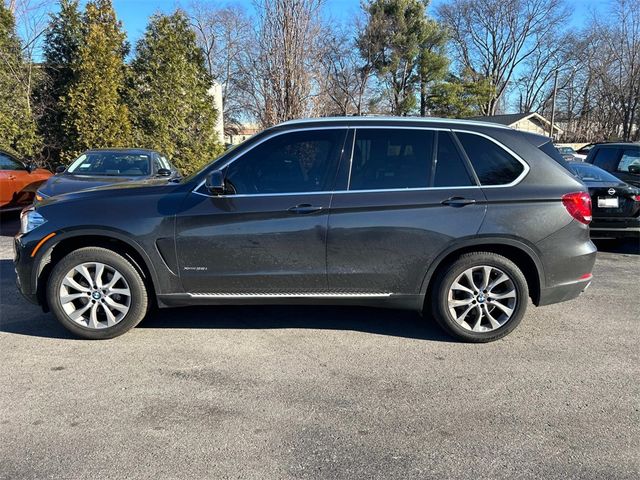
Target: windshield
(591, 173)
(124, 164)
(566, 150)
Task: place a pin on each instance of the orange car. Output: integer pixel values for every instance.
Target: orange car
(18, 182)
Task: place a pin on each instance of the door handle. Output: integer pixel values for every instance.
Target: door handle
(458, 201)
(304, 209)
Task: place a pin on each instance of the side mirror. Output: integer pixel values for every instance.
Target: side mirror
(215, 182)
(60, 169)
(30, 167)
(164, 172)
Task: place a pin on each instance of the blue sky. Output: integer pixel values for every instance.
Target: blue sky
(135, 13)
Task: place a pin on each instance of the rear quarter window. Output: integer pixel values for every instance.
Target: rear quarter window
(493, 164)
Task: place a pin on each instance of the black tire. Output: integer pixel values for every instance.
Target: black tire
(445, 279)
(138, 300)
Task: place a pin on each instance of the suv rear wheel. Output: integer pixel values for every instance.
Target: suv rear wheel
(480, 297)
(96, 293)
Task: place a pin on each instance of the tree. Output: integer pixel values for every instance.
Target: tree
(61, 55)
(282, 64)
(619, 72)
(171, 108)
(96, 113)
(407, 50)
(459, 96)
(224, 35)
(493, 38)
(17, 125)
(346, 74)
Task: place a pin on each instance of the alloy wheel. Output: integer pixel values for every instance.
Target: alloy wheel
(482, 298)
(95, 295)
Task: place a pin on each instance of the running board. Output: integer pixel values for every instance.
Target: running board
(290, 295)
(375, 299)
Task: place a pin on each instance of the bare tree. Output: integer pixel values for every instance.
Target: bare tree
(345, 75)
(493, 38)
(281, 66)
(31, 17)
(619, 74)
(224, 35)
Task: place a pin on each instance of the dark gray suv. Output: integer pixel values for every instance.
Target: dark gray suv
(464, 220)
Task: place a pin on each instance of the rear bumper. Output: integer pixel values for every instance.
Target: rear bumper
(568, 257)
(563, 292)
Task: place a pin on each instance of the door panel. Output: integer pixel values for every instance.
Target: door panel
(410, 194)
(252, 244)
(384, 241)
(268, 233)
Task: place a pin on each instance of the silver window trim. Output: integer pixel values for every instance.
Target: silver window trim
(228, 162)
(525, 165)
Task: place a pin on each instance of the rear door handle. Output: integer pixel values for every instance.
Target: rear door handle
(458, 201)
(304, 209)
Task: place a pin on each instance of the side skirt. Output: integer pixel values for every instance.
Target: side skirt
(384, 300)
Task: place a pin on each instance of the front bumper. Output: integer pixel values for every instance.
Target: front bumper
(24, 265)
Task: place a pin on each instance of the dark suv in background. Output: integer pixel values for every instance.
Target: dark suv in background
(465, 220)
(620, 159)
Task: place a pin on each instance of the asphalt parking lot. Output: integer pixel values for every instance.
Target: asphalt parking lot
(300, 392)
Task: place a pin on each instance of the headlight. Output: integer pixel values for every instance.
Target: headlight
(30, 219)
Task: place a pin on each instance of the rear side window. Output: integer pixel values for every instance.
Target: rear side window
(450, 170)
(630, 161)
(391, 159)
(606, 158)
(493, 165)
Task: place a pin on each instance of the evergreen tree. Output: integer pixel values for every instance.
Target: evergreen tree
(17, 126)
(407, 49)
(96, 114)
(171, 108)
(460, 97)
(61, 49)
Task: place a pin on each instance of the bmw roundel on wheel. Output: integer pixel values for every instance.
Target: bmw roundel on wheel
(466, 221)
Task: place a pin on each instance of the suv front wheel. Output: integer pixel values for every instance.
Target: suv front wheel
(96, 293)
(480, 297)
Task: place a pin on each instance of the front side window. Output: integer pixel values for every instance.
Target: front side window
(304, 161)
(391, 159)
(8, 163)
(493, 164)
(161, 162)
(630, 161)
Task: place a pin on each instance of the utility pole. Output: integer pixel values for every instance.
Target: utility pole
(553, 103)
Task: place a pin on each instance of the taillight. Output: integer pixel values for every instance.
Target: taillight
(636, 198)
(578, 204)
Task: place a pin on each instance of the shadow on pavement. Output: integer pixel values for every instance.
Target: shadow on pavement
(397, 323)
(21, 318)
(9, 224)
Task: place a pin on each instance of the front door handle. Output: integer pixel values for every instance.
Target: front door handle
(304, 209)
(458, 201)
